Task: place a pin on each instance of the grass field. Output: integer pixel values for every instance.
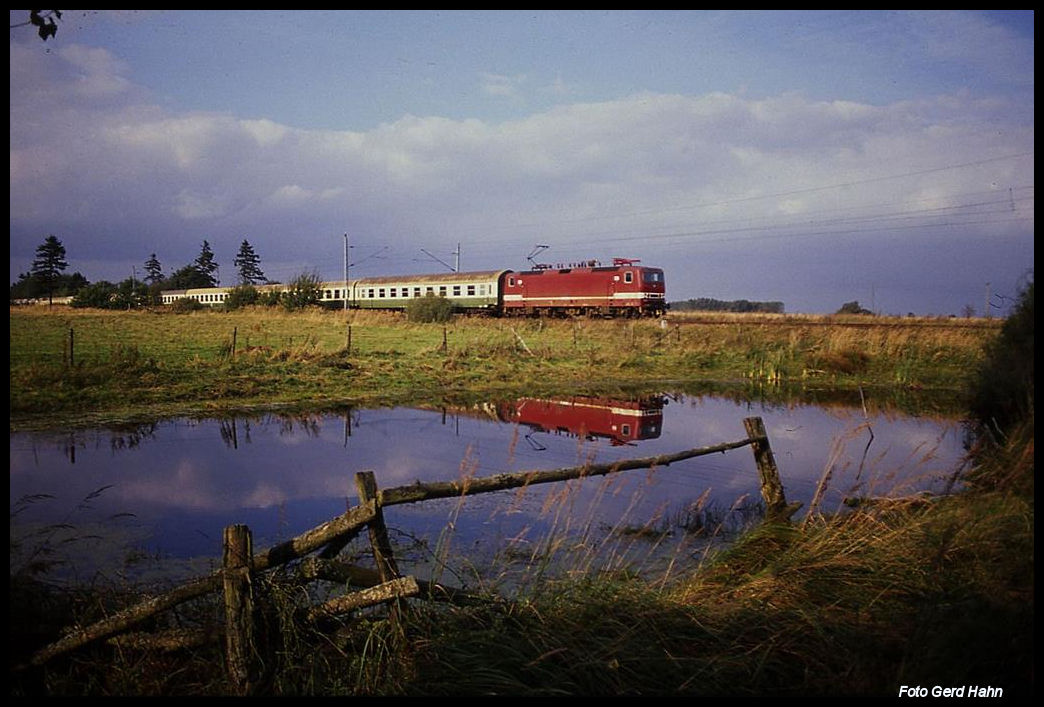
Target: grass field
(74, 366)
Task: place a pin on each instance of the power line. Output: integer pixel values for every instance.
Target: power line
(776, 195)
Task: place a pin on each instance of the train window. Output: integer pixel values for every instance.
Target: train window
(380, 292)
(429, 290)
(393, 291)
(442, 290)
(456, 290)
(416, 292)
(511, 282)
(370, 292)
(653, 276)
(471, 290)
(628, 276)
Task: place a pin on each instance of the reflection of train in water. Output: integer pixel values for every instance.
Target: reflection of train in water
(619, 421)
(624, 288)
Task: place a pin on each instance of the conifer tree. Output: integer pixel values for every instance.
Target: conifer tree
(153, 270)
(206, 266)
(49, 264)
(248, 264)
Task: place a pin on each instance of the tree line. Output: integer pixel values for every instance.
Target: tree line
(47, 279)
(707, 304)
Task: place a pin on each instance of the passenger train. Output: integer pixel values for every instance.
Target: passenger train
(624, 288)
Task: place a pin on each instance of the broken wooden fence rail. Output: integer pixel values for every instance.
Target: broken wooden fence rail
(280, 554)
(385, 584)
(499, 482)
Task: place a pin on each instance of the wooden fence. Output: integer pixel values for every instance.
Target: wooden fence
(376, 586)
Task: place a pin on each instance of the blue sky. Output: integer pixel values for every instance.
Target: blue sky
(812, 158)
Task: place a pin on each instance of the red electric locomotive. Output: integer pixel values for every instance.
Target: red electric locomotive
(624, 288)
(619, 421)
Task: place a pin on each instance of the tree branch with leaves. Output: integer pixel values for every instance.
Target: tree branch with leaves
(44, 21)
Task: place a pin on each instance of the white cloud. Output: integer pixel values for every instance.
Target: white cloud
(100, 74)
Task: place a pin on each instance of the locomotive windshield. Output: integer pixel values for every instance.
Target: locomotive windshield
(652, 276)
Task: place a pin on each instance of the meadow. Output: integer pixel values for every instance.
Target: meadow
(78, 366)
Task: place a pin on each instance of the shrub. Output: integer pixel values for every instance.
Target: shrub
(303, 291)
(97, 294)
(186, 304)
(853, 308)
(242, 296)
(430, 308)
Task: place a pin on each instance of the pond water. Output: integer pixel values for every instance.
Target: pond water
(123, 502)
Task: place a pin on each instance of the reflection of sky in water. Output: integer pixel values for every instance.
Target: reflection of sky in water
(185, 480)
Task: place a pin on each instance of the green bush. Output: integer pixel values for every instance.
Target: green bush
(186, 304)
(303, 291)
(242, 296)
(853, 308)
(97, 294)
(430, 308)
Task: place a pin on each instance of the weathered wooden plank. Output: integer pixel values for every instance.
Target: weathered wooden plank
(123, 620)
(167, 640)
(337, 571)
(499, 482)
(398, 588)
(315, 538)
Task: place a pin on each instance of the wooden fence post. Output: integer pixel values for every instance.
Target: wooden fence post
(366, 484)
(768, 473)
(239, 608)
